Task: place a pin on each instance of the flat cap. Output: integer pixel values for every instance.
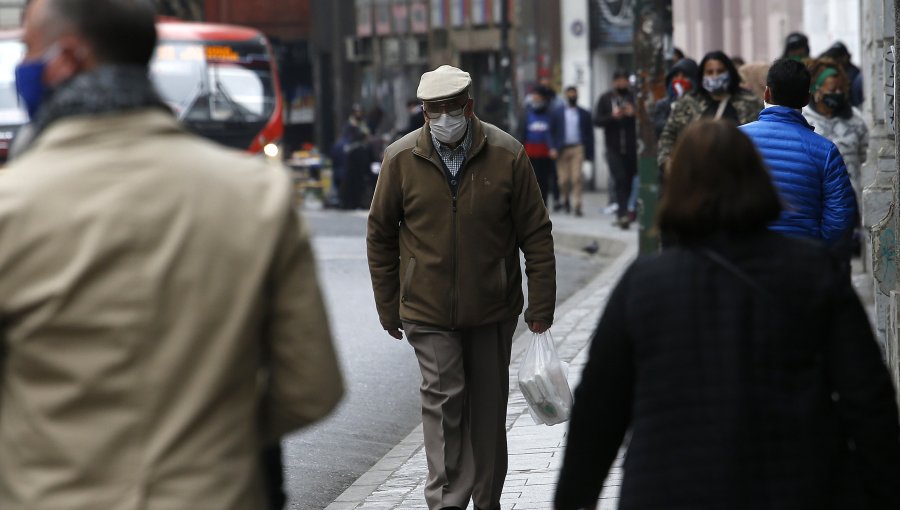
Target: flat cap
(443, 83)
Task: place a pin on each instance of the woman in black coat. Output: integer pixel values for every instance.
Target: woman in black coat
(740, 361)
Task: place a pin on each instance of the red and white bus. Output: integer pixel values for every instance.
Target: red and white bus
(222, 83)
(220, 80)
(12, 114)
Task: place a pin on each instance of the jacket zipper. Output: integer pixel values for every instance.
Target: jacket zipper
(453, 221)
(455, 292)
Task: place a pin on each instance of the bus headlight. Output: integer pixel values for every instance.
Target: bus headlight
(271, 150)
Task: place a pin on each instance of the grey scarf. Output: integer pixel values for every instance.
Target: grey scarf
(106, 89)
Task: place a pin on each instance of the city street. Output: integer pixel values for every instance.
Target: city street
(382, 402)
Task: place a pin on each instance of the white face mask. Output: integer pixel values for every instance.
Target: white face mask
(448, 129)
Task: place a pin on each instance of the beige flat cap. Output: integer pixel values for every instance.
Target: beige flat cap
(442, 83)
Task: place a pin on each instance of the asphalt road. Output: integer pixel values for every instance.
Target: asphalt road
(382, 402)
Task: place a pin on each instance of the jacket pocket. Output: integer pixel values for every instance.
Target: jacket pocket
(504, 278)
(407, 280)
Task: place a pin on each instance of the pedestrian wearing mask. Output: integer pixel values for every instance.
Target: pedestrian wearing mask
(358, 158)
(796, 47)
(832, 116)
(538, 140)
(456, 201)
(573, 143)
(615, 113)
(720, 96)
(679, 83)
(740, 362)
(161, 317)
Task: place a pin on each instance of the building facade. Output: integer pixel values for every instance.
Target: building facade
(753, 30)
(881, 197)
(11, 13)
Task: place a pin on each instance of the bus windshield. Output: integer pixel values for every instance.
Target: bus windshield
(215, 82)
(11, 111)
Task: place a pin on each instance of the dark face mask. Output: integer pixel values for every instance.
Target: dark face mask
(622, 91)
(835, 101)
(573, 101)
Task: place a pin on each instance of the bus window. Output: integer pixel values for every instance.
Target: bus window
(237, 86)
(11, 112)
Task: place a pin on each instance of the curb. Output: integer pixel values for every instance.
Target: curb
(573, 336)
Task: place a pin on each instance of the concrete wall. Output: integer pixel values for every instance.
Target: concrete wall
(754, 30)
(827, 21)
(11, 13)
(880, 196)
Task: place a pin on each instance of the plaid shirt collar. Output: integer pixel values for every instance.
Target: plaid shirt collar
(454, 158)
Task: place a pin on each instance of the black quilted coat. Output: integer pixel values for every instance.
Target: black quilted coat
(757, 385)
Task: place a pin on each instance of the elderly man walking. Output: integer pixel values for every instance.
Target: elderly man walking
(456, 201)
(161, 320)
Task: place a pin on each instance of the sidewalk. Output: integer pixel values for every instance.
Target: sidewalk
(535, 451)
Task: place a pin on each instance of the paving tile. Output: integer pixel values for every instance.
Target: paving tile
(397, 481)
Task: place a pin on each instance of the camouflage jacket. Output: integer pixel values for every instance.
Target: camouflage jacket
(691, 107)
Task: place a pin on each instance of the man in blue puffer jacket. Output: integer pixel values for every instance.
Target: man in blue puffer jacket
(807, 169)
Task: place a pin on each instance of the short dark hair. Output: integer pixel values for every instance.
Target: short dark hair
(620, 73)
(788, 81)
(734, 78)
(677, 53)
(795, 41)
(572, 88)
(545, 92)
(119, 31)
(837, 50)
(716, 183)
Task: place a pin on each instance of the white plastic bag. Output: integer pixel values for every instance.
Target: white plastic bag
(542, 379)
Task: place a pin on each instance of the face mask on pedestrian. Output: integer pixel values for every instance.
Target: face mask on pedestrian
(681, 86)
(835, 100)
(448, 129)
(573, 100)
(716, 84)
(30, 81)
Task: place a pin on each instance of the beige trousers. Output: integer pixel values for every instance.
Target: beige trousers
(465, 388)
(568, 171)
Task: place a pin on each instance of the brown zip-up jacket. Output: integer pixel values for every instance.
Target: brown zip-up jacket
(453, 261)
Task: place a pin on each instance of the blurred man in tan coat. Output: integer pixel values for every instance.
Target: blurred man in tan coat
(161, 321)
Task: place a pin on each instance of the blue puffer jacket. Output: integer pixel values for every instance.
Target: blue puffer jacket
(809, 174)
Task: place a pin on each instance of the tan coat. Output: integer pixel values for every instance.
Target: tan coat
(455, 264)
(161, 319)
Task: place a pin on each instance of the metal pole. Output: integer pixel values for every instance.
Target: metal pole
(506, 63)
(652, 32)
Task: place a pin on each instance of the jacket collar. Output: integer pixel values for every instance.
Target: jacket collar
(83, 129)
(784, 114)
(425, 147)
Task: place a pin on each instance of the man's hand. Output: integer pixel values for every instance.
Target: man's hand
(396, 333)
(554, 154)
(537, 326)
